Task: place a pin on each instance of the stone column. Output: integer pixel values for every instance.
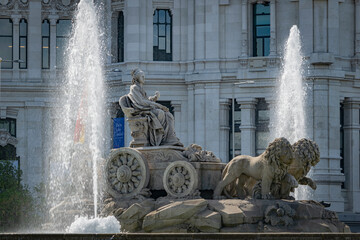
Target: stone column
(34, 40)
(212, 118)
(247, 125)
(224, 130)
(273, 49)
(16, 45)
(199, 97)
(53, 19)
(244, 29)
(351, 153)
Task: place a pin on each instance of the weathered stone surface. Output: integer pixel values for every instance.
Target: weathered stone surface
(317, 225)
(252, 213)
(172, 214)
(131, 219)
(231, 214)
(308, 210)
(206, 221)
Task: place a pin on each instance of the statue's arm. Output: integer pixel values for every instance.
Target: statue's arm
(155, 97)
(142, 102)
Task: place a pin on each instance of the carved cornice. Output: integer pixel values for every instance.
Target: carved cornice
(6, 138)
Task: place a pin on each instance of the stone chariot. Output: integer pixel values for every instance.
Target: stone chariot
(156, 159)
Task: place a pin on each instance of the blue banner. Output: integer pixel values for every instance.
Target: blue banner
(119, 135)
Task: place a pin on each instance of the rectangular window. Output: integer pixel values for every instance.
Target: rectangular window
(63, 30)
(121, 37)
(261, 29)
(262, 120)
(235, 132)
(162, 35)
(45, 45)
(6, 43)
(9, 125)
(23, 44)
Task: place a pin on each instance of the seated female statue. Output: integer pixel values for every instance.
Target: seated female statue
(160, 120)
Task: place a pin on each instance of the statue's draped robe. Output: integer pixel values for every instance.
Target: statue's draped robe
(161, 123)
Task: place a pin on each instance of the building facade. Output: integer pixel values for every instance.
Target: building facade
(215, 62)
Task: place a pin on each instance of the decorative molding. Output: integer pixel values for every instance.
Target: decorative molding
(161, 4)
(7, 4)
(66, 5)
(6, 138)
(117, 5)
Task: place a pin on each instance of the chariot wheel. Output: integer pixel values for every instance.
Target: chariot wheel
(127, 173)
(180, 179)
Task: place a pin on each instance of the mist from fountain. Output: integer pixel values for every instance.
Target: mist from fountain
(78, 139)
(290, 112)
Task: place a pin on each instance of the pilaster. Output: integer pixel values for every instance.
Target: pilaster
(306, 25)
(34, 40)
(191, 114)
(53, 19)
(273, 50)
(244, 29)
(357, 28)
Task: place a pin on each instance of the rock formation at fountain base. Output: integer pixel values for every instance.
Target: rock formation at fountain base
(230, 215)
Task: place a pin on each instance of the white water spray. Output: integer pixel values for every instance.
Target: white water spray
(290, 111)
(78, 131)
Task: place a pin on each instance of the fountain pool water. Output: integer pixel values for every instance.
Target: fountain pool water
(78, 133)
(290, 113)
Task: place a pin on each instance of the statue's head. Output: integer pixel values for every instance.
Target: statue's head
(137, 76)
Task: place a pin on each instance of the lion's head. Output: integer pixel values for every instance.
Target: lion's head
(279, 150)
(280, 155)
(307, 152)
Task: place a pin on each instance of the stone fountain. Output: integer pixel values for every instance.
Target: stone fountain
(249, 194)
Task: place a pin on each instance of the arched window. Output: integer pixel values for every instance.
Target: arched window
(6, 43)
(63, 30)
(261, 29)
(23, 44)
(121, 37)
(45, 45)
(162, 30)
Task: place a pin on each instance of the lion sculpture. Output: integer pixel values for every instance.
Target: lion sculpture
(306, 155)
(270, 167)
